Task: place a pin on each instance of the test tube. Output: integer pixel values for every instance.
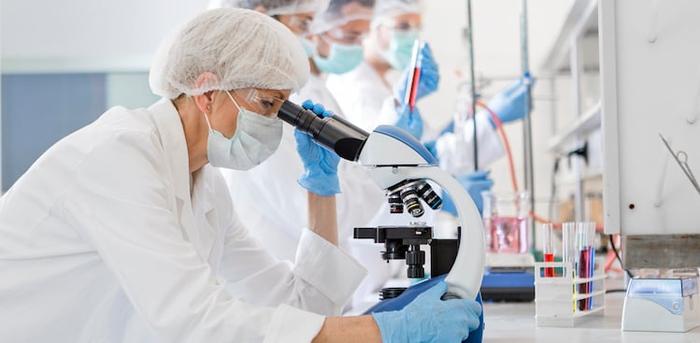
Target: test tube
(590, 229)
(414, 78)
(547, 247)
(568, 245)
(582, 263)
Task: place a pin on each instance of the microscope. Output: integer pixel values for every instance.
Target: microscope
(401, 165)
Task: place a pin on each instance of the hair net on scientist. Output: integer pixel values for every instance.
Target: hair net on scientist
(393, 8)
(297, 15)
(273, 7)
(335, 14)
(254, 52)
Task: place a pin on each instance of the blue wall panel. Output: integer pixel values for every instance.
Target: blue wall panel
(40, 109)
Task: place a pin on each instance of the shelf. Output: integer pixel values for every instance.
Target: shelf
(581, 21)
(588, 122)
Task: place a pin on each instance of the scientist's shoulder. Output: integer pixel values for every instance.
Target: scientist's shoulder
(119, 125)
(119, 121)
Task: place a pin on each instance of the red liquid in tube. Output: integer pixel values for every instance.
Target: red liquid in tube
(549, 271)
(414, 87)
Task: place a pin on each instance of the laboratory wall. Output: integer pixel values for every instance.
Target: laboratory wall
(40, 109)
(69, 61)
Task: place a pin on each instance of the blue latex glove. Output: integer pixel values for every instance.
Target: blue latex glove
(429, 78)
(511, 103)
(428, 318)
(411, 121)
(411, 293)
(474, 183)
(320, 164)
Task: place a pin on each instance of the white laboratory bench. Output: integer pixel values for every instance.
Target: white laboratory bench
(515, 322)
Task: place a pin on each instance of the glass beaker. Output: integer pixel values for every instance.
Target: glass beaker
(507, 222)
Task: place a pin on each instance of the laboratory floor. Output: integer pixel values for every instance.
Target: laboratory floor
(515, 322)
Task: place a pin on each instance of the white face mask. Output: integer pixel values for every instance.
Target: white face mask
(256, 138)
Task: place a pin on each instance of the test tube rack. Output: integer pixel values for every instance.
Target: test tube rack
(557, 297)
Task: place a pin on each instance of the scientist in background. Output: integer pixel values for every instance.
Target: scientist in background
(371, 95)
(124, 231)
(272, 197)
(296, 15)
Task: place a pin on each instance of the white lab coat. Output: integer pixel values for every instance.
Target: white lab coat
(107, 238)
(270, 200)
(366, 100)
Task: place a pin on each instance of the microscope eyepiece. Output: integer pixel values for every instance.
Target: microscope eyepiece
(333, 132)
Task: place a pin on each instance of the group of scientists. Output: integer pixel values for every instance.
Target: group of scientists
(126, 231)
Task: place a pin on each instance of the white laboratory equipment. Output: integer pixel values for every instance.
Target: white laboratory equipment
(650, 73)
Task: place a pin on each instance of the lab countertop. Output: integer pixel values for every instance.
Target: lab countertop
(515, 322)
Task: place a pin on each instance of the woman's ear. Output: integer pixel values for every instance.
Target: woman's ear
(204, 101)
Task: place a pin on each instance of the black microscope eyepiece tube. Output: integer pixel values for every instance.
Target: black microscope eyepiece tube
(333, 132)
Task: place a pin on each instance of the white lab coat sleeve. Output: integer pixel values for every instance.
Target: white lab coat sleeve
(123, 204)
(455, 149)
(322, 279)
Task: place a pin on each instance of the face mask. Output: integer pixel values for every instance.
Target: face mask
(255, 139)
(309, 46)
(342, 59)
(400, 49)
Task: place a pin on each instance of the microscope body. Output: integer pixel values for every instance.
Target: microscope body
(392, 156)
(401, 165)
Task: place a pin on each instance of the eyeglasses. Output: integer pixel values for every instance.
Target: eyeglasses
(346, 37)
(299, 24)
(267, 105)
(406, 27)
(401, 25)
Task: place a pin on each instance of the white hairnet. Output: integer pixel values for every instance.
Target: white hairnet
(274, 7)
(334, 15)
(239, 47)
(392, 8)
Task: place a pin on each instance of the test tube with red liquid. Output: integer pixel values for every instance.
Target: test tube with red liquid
(585, 235)
(414, 77)
(548, 248)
